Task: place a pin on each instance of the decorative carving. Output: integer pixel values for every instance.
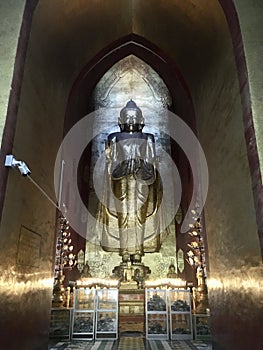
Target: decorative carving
(131, 70)
(180, 260)
(81, 260)
(28, 253)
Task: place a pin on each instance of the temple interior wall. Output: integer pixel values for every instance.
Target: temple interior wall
(11, 14)
(62, 41)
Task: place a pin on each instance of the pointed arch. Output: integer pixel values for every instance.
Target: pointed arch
(143, 49)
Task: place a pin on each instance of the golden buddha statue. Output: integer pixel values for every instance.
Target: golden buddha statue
(172, 271)
(132, 193)
(86, 271)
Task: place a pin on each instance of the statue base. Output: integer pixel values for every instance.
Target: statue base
(131, 274)
(131, 311)
(128, 285)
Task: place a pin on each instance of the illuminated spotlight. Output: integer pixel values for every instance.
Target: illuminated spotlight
(11, 162)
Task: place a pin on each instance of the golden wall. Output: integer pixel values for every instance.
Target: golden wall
(196, 37)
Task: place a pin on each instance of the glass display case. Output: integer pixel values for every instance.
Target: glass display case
(107, 314)
(83, 322)
(156, 311)
(60, 323)
(202, 326)
(180, 314)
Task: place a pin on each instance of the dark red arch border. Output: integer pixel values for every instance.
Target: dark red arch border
(101, 63)
(252, 150)
(14, 98)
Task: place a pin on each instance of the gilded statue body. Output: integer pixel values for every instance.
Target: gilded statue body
(86, 271)
(132, 191)
(172, 272)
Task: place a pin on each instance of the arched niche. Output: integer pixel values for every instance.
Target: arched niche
(161, 75)
(129, 78)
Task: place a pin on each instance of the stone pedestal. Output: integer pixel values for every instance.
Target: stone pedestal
(131, 310)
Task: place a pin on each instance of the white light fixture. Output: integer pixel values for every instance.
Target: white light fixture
(11, 162)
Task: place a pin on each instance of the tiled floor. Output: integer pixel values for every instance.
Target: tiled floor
(132, 343)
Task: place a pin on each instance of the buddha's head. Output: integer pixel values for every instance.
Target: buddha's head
(131, 118)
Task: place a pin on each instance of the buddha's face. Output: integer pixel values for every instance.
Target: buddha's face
(131, 118)
(130, 121)
(172, 269)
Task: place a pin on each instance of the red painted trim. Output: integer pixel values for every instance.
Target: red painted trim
(250, 137)
(14, 98)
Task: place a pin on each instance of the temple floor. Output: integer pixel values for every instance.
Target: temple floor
(132, 343)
